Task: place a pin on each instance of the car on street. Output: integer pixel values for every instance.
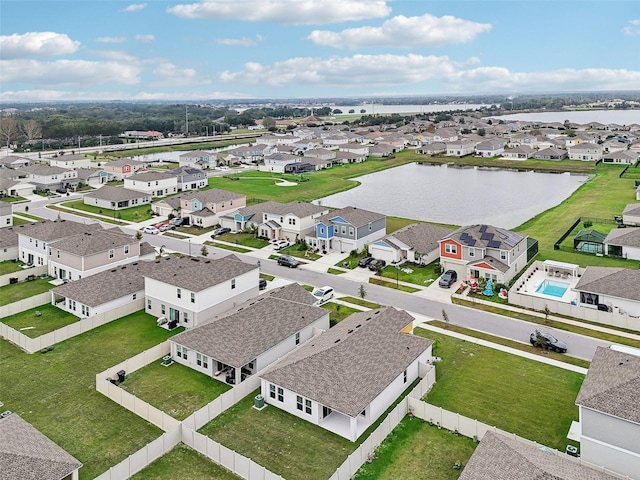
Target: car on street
(376, 264)
(280, 244)
(288, 261)
(220, 231)
(322, 294)
(448, 278)
(547, 341)
(151, 230)
(364, 261)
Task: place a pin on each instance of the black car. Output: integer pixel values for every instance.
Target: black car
(547, 341)
(287, 261)
(448, 278)
(376, 264)
(220, 231)
(365, 261)
(61, 190)
(262, 284)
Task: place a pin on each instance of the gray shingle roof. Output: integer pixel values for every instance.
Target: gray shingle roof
(632, 209)
(348, 366)
(8, 237)
(628, 237)
(150, 176)
(252, 328)
(195, 274)
(26, 454)
(50, 230)
(43, 170)
(612, 384)
(215, 195)
(480, 236)
(499, 457)
(114, 194)
(617, 282)
(355, 216)
(89, 243)
(421, 237)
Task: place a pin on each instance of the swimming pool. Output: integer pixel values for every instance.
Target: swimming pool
(552, 288)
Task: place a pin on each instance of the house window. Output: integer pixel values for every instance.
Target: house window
(112, 253)
(193, 297)
(233, 283)
(72, 305)
(222, 205)
(36, 243)
(404, 376)
(205, 361)
(351, 231)
(503, 254)
(322, 230)
(135, 295)
(370, 226)
(299, 403)
(280, 394)
(179, 351)
(272, 391)
(163, 309)
(198, 359)
(307, 406)
(472, 252)
(148, 304)
(185, 315)
(85, 310)
(184, 352)
(343, 230)
(298, 338)
(450, 248)
(126, 249)
(179, 293)
(58, 253)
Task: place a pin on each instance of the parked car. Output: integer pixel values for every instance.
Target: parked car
(547, 341)
(61, 190)
(165, 226)
(287, 261)
(322, 294)
(176, 221)
(220, 231)
(365, 261)
(448, 278)
(376, 264)
(262, 284)
(151, 230)
(280, 244)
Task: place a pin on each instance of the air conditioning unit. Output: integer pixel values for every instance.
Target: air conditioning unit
(6, 413)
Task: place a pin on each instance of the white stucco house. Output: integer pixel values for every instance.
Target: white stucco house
(614, 287)
(631, 214)
(623, 242)
(155, 184)
(6, 214)
(344, 379)
(585, 151)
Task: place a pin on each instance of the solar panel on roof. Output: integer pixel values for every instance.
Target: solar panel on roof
(494, 244)
(472, 242)
(486, 236)
(483, 228)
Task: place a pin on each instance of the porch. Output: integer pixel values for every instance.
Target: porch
(348, 427)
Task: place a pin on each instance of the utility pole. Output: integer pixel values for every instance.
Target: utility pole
(186, 118)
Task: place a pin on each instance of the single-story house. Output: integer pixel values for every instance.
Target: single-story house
(247, 339)
(631, 214)
(344, 379)
(614, 287)
(116, 198)
(623, 242)
(277, 162)
(551, 153)
(521, 152)
(620, 157)
(434, 148)
(416, 243)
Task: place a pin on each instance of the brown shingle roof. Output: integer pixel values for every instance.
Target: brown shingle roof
(612, 384)
(348, 366)
(150, 176)
(26, 454)
(617, 282)
(628, 237)
(355, 216)
(50, 230)
(114, 194)
(88, 243)
(421, 237)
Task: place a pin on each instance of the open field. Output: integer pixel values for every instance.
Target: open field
(55, 391)
(40, 320)
(525, 397)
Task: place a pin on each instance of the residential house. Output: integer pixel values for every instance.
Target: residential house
(623, 242)
(434, 148)
(489, 148)
(484, 251)
(121, 169)
(291, 221)
(27, 454)
(14, 162)
(521, 152)
(345, 157)
(355, 148)
(609, 409)
(586, 151)
(502, 457)
(8, 244)
(416, 243)
(346, 378)
(87, 253)
(614, 287)
(381, 150)
(168, 206)
(70, 161)
(34, 238)
(278, 162)
(551, 143)
(204, 208)
(272, 140)
(631, 214)
(116, 198)
(191, 290)
(321, 154)
(550, 153)
(252, 336)
(15, 183)
(154, 184)
(92, 177)
(190, 178)
(614, 145)
(45, 177)
(251, 154)
(142, 135)
(6, 214)
(523, 139)
(199, 159)
(347, 229)
(620, 157)
(460, 147)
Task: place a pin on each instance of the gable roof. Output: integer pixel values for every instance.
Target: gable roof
(89, 243)
(195, 274)
(629, 237)
(115, 194)
(214, 195)
(486, 236)
(254, 327)
(499, 457)
(26, 454)
(348, 366)
(353, 215)
(631, 209)
(8, 237)
(421, 237)
(612, 384)
(617, 282)
(150, 176)
(50, 230)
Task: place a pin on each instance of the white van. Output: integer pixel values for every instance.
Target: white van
(323, 294)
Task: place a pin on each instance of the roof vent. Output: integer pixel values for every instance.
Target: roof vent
(358, 325)
(367, 319)
(337, 341)
(193, 259)
(350, 330)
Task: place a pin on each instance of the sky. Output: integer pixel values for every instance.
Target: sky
(219, 49)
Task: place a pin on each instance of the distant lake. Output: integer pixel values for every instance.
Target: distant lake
(458, 196)
(621, 117)
(375, 108)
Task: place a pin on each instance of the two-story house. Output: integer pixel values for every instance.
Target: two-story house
(199, 159)
(460, 147)
(278, 162)
(70, 161)
(6, 214)
(116, 198)
(45, 177)
(609, 408)
(347, 229)
(204, 209)
(189, 290)
(484, 251)
(190, 178)
(586, 151)
(121, 169)
(492, 147)
(155, 184)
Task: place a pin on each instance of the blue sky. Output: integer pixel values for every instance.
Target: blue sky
(209, 49)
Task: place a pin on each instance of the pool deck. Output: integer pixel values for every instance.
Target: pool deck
(540, 276)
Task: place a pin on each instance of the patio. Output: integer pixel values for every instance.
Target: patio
(554, 281)
(340, 424)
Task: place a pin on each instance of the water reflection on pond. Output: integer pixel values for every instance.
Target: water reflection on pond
(459, 196)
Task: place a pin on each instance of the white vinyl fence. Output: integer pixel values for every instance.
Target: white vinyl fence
(32, 345)
(24, 304)
(22, 274)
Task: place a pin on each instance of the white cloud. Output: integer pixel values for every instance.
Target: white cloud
(135, 7)
(45, 44)
(404, 32)
(182, 77)
(79, 95)
(116, 55)
(145, 38)
(292, 12)
(111, 39)
(80, 73)
(241, 42)
(632, 29)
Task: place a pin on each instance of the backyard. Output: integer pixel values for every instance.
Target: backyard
(26, 289)
(175, 389)
(9, 266)
(517, 400)
(55, 391)
(40, 320)
(132, 214)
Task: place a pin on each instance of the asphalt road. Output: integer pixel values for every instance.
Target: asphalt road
(579, 346)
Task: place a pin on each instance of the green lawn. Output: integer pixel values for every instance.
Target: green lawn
(13, 199)
(351, 261)
(420, 274)
(393, 284)
(176, 390)
(414, 450)
(245, 239)
(334, 271)
(525, 397)
(132, 214)
(22, 290)
(183, 463)
(298, 250)
(178, 148)
(338, 312)
(84, 214)
(285, 444)
(19, 221)
(9, 266)
(33, 217)
(55, 391)
(233, 248)
(361, 302)
(51, 318)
